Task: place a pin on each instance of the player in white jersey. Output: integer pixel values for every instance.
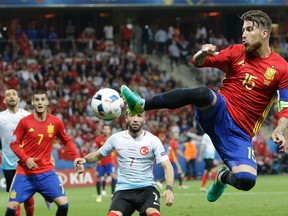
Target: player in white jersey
(137, 151)
(207, 153)
(9, 119)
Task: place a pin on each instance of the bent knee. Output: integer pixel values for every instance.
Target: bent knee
(245, 181)
(13, 205)
(62, 200)
(245, 184)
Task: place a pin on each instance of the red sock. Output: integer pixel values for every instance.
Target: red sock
(18, 210)
(29, 207)
(112, 214)
(204, 180)
(154, 214)
(214, 174)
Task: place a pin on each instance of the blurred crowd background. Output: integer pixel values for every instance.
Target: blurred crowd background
(76, 60)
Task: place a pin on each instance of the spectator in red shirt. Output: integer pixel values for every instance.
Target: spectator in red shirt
(127, 34)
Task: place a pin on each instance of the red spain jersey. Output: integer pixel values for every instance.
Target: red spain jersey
(99, 142)
(250, 84)
(173, 148)
(35, 139)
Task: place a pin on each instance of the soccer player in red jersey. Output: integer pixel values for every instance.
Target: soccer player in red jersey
(33, 143)
(173, 153)
(254, 74)
(105, 167)
(9, 119)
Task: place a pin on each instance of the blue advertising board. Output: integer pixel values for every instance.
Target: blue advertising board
(95, 3)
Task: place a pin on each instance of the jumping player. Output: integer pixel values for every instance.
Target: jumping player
(254, 74)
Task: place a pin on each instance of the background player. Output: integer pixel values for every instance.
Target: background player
(32, 143)
(173, 152)
(9, 119)
(207, 153)
(104, 167)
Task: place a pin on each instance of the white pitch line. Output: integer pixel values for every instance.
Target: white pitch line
(225, 193)
(229, 193)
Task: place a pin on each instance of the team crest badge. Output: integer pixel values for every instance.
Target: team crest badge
(13, 194)
(50, 130)
(144, 150)
(270, 73)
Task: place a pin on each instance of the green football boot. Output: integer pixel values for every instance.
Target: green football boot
(217, 189)
(134, 102)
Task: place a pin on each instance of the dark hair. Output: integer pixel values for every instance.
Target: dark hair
(258, 17)
(127, 112)
(10, 88)
(106, 125)
(39, 91)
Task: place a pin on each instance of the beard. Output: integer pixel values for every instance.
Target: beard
(11, 105)
(134, 129)
(251, 48)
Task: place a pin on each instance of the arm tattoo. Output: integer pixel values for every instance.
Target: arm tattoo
(282, 125)
(199, 58)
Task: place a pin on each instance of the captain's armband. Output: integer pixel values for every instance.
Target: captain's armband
(281, 105)
(282, 99)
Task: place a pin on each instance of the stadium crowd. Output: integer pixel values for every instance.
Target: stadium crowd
(73, 68)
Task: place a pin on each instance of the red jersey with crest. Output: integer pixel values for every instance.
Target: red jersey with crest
(33, 138)
(250, 84)
(99, 142)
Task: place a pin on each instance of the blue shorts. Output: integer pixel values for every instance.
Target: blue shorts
(232, 144)
(47, 184)
(106, 169)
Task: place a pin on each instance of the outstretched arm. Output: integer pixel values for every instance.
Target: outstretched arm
(90, 158)
(206, 50)
(201, 152)
(169, 178)
(278, 135)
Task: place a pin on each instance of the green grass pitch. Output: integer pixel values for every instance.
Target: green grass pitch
(268, 197)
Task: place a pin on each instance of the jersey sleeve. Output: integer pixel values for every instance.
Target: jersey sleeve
(221, 61)
(282, 93)
(108, 146)
(17, 139)
(159, 151)
(67, 141)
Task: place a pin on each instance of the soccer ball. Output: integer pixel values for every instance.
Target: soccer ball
(107, 104)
